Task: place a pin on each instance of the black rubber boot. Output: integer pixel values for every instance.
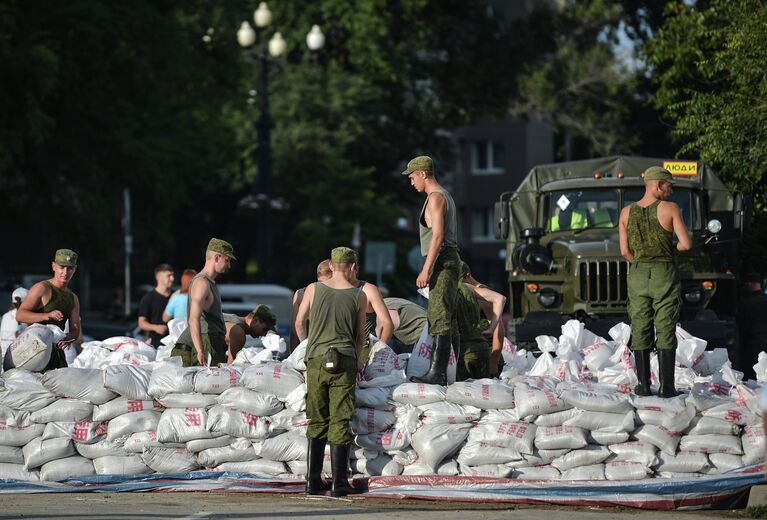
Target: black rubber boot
(666, 362)
(440, 355)
(642, 359)
(314, 461)
(339, 462)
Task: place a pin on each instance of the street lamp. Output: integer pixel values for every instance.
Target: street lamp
(262, 190)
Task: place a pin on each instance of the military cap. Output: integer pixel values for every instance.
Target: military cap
(463, 269)
(420, 163)
(221, 246)
(656, 173)
(65, 258)
(265, 314)
(343, 255)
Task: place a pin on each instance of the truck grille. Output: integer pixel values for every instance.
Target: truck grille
(603, 282)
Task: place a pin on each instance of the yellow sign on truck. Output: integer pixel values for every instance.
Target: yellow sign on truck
(682, 168)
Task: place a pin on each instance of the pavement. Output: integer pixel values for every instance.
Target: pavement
(213, 506)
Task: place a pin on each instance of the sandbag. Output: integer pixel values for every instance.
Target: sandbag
(271, 378)
(284, 447)
(607, 438)
(170, 460)
(62, 469)
(603, 421)
(81, 431)
(381, 466)
(198, 445)
(597, 356)
(484, 394)
(19, 435)
(519, 436)
(63, 410)
(434, 443)
(557, 418)
(237, 423)
(486, 470)
(541, 457)
(24, 391)
(288, 420)
(187, 400)
(132, 422)
(448, 413)
(446, 469)
(417, 394)
(171, 379)
(11, 455)
(12, 471)
(31, 350)
(560, 437)
(239, 451)
(257, 403)
(102, 448)
(296, 400)
(382, 360)
(536, 401)
(753, 444)
(708, 425)
(217, 380)
(420, 359)
(120, 465)
(37, 452)
(658, 436)
(388, 440)
(659, 404)
(712, 444)
(535, 473)
(724, 462)
(682, 462)
(480, 453)
(258, 466)
(121, 406)
(296, 359)
(593, 472)
(654, 417)
(625, 471)
(370, 420)
(373, 397)
(588, 456)
(610, 403)
(128, 381)
(13, 417)
(83, 384)
(140, 441)
(182, 425)
(636, 451)
(731, 412)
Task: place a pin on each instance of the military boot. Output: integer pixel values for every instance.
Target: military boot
(666, 368)
(642, 359)
(339, 462)
(314, 460)
(440, 355)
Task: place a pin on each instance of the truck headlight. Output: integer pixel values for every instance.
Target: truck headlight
(692, 295)
(548, 298)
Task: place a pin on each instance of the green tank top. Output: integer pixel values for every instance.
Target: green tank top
(334, 321)
(61, 300)
(412, 320)
(648, 240)
(470, 320)
(211, 320)
(237, 321)
(451, 225)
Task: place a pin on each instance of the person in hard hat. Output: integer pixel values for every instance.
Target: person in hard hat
(9, 327)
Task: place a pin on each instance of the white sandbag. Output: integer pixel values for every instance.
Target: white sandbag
(183, 425)
(253, 354)
(659, 404)
(560, 437)
(373, 397)
(603, 421)
(170, 460)
(658, 436)
(381, 466)
(636, 451)
(587, 456)
(13, 417)
(540, 458)
(361, 453)
(404, 457)
(705, 395)
(731, 412)
(123, 405)
(654, 417)
(257, 403)
(707, 425)
(446, 469)
(626, 471)
(536, 473)
(63, 410)
(678, 421)
(19, 435)
(753, 444)
(86, 432)
(724, 462)
(519, 436)
(486, 470)
(284, 447)
(498, 416)
(607, 438)
(370, 420)
(417, 394)
(102, 448)
(593, 472)
(139, 441)
(682, 462)
(485, 394)
(31, 350)
(288, 420)
(70, 467)
(128, 381)
(480, 453)
(11, 455)
(557, 418)
(84, 384)
(389, 440)
(381, 361)
(536, 401)
(171, 379)
(24, 391)
(216, 380)
(420, 359)
(296, 358)
(198, 445)
(120, 465)
(597, 356)
(258, 466)
(448, 413)
(37, 452)
(239, 451)
(271, 378)
(187, 400)
(296, 400)
(237, 423)
(434, 443)
(712, 444)
(12, 471)
(610, 403)
(132, 422)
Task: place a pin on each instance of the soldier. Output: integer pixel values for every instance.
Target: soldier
(439, 244)
(752, 321)
(408, 320)
(646, 230)
(257, 323)
(336, 310)
(52, 302)
(206, 319)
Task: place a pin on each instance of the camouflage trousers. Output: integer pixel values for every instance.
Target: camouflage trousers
(213, 343)
(654, 299)
(443, 292)
(330, 400)
(474, 362)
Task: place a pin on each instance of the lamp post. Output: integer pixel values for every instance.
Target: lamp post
(261, 196)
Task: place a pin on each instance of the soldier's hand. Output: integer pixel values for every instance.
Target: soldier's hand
(64, 344)
(422, 280)
(201, 359)
(161, 329)
(55, 316)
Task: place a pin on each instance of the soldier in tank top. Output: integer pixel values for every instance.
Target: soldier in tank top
(646, 229)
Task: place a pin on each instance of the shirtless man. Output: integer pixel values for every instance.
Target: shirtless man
(323, 275)
(257, 323)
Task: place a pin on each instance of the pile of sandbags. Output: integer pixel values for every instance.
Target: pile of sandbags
(569, 414)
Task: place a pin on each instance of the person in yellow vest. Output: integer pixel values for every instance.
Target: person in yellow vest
(578, 220)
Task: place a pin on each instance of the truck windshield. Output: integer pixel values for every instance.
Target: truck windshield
(687, 200)
(580, 209)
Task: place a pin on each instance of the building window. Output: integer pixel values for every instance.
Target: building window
(482, 224)
(487, 157)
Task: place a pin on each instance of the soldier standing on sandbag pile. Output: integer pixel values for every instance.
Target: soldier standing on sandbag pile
(336, 310)
(646, 231)
(206, 319)
(323, 274)
(50, 302)
(438, 230)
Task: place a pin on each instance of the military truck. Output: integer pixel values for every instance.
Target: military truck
(563, 253)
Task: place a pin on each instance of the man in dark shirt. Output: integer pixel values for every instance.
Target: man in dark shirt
(153, 304)
(752, 321)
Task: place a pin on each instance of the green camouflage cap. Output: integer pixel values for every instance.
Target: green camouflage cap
(65, 258)
(265, 314)
(420, 163)
(463, 269)
(221, 246)
(343, 255)
(656, 173)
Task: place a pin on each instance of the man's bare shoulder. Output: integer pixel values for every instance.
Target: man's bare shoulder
(667, 206)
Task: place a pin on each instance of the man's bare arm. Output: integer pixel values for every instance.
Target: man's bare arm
(680, 230)
(303, 312)
(74, 323)
(435, 209)
(623, 235)
(496, 300)
(382, 313)
(34, 300)
(198, 293)
(361, 339)
(298, 297)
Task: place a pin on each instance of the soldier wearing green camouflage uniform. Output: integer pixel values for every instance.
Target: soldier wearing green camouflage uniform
(474, 357)
(438, 229)
(336, 310)
(653, 279)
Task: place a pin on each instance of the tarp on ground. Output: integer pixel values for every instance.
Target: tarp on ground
(725, 491)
